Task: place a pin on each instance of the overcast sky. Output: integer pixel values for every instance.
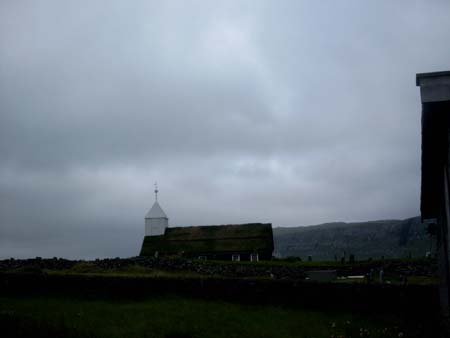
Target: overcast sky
(289, 112)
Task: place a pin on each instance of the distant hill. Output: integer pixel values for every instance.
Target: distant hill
(388, 238)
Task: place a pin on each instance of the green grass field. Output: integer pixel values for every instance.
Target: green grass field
(173, 316)
(183, 317)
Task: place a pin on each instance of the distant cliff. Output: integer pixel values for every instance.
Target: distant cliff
(388, 238)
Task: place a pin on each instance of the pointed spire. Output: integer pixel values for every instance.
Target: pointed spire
(156, 211)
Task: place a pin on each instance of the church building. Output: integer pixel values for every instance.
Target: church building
(236, 242)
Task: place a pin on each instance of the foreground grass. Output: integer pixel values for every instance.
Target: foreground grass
(183, 317)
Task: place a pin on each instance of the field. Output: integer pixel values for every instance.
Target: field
(185, 317)
(120, 298)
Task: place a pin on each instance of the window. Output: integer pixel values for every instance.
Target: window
(202, 258)
(235, 257)
(254, 257)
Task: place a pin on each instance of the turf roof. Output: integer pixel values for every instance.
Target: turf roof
(232, 238)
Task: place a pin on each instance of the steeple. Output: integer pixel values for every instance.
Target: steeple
(156, 220)
(156, 212)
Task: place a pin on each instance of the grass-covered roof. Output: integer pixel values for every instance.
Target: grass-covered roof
(233, 238)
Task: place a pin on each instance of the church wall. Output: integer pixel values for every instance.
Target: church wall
(155, 226)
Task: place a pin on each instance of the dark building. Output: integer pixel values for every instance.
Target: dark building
(238, 242)
(435, 188)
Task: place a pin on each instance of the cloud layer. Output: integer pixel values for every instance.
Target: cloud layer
(293, 113)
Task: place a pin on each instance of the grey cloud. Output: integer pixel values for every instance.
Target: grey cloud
(292, 113)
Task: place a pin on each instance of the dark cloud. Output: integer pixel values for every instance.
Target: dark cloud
(293, 113)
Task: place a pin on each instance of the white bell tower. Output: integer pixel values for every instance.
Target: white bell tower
(156, 221)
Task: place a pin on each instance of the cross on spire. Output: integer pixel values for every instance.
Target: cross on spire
(156, 191)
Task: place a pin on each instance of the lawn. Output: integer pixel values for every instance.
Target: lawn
(179, 317)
